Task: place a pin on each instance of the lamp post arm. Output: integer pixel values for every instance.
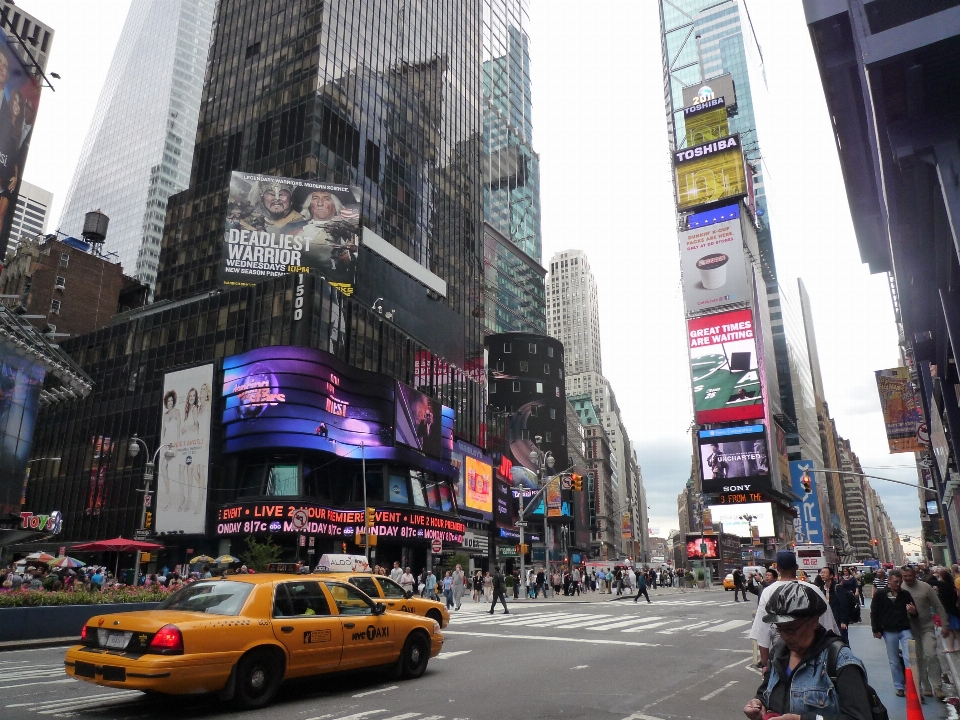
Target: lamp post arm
(872, 477)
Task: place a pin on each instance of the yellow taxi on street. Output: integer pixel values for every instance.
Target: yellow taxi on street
(242, 635)
(728, 583)
(352, 569)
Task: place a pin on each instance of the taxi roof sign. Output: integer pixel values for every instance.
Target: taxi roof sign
(343, 563)
(284, 567)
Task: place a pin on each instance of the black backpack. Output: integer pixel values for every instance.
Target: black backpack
(877, 710)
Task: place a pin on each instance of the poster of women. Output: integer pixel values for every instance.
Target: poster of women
(182, 464)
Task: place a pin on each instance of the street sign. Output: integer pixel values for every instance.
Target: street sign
(507, 552)
(436, 546)
(522, 523)
(299, 519)
(703, 548)
(141, 534)
(566, 483)
(147, 499)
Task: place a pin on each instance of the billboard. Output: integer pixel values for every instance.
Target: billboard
(725, 367)
(706, 123)
(713, 266)
(731, 517)
(626, 526)
(709, 173)
(185, 428)
(474, 487)
(901, 413)
(285, 397)
(18, 116)
(808, 525)
(734, 460)
(418, 421)
(20, 382)
(277, 225)
(101, 459)
(694, 551)
(707, 93)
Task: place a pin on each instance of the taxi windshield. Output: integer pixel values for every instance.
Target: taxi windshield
(217, 598)
(391, 589)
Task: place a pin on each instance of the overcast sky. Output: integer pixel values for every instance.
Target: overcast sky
(600, 131)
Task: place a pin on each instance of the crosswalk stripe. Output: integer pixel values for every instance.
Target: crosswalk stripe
(644, 628)
(42, 682)
(361, 715)
(402, 717)
(583, 620)
(672, 631)
(560, 621)
(527, 621)
(626, 623)
(729, 625)
(101, 696)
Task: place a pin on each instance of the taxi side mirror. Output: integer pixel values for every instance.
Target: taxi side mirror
(408, 594)
(379, 609)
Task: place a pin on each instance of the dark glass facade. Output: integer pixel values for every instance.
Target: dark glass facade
(513, 285)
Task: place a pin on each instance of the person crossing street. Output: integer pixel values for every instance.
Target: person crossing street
(641, 587)
(499, 585)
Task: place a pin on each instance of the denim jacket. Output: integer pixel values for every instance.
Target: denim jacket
(811, 692)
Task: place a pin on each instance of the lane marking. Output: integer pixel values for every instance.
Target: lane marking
(588, 641)
(101, 696)
(579, 667)
(379, 690)
(640, 716)
(402, 717)
(719, 690)
(321, 717)
(589, 621)
(626, 623)
(730, 625)
(361, 715)
(447, 655)
(671, 631)
(644, 628)
(46, 682)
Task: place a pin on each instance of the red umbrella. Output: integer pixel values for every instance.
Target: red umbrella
(116, 545)
(119, 545)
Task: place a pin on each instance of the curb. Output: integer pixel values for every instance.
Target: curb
(37, 644)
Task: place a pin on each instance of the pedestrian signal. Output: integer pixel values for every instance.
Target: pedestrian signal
(577, 482)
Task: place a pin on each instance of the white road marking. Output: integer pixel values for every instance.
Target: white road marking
(588, 641)
(92, 698)
(361, 715)
(644, 628)
(627, 623)
(45, 682)
(640, 716)
(579, 667)
(447, 655)
(591, 620)
(321, 717)
(405, 716)
(680, 628)
(379, 690)
(719, 690)
(729, 625)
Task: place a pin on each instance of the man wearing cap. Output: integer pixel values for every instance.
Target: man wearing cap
(764, 633)
(272, 209)
(922, 626)
(803, 680)
(890, 613)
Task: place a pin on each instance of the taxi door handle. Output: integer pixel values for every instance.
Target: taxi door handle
(287, 629)
(348, 625)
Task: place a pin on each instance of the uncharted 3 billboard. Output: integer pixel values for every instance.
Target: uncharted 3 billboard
(734, 460)
(185, 429)
(901, 414)
(724, 367)
(276, 226)
(713, 265)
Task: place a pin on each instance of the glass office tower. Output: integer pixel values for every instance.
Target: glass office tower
(139, 146)
(702, 39)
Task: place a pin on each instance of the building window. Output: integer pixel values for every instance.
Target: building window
(524, 366)
(553, 414)
(539, 387)
(55, 306)
(560, 373)
(546, 369)
(493, 388)
(549, 352)
(252, 50)
(532, 348)
(500, 365)
(549, 436)
(507, 348)
(533, 411)
(516, 386)
(61, 283)
(64, 259)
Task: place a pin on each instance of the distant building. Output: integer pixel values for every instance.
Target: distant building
(31, 214)
(75, 290)
(38, 35)
(139, 146)
(573, 315)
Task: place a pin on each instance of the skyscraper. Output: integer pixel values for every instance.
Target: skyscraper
(139, 146)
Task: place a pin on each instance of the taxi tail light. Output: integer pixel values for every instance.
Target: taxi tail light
(167, 641)
(88, 637)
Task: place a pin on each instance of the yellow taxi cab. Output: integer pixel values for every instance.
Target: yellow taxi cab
(242, 635)
(728, 583)
(354, 570)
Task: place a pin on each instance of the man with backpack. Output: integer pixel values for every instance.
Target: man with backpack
(499, 585)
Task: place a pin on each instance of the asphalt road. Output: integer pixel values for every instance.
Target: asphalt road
(683, 656)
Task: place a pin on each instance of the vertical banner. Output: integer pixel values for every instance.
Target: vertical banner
(901, 413)
(808, 525)
(554, 499)
(184, 429)
(626, 526)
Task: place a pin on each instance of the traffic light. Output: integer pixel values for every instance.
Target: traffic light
(343, 548)
(523, 549)
(805, 482)
(371, 517)
(577, 482)
(875, 542)
(360, 539)
(148, 520)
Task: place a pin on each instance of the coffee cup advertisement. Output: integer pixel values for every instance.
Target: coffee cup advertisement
(714, 267)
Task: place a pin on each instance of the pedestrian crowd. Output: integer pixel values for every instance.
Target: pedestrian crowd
(92, 578)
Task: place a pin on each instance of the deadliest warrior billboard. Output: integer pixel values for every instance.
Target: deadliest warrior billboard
(713, 266)
(276, 226)
(724, 367)
(734, 461)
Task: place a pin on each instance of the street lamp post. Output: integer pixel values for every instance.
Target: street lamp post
(133, 449)
(543, 462)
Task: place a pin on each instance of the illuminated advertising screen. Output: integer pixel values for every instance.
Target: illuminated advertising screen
(724, 367)
(731, 516)
(185, 429)
(734, 460)
(418, 421)
(901, 412)
(277, 225)
(709, 173)
(479, 485)
(706, 125)
(285, 397)
(18, 116)
(270, 518)
(20, 384)
(706, 94)
(695, 551)
(713, 266)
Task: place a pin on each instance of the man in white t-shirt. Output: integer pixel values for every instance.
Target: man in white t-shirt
(764, 633)
(396, 572)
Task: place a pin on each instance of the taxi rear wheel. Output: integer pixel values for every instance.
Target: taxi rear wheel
(416, 654)
(258, 677)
